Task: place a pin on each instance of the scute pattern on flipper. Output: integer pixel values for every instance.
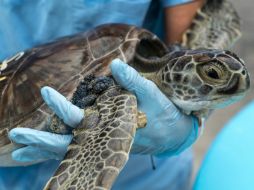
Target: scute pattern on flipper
(216, 25)
(4, 140)
(98, 153)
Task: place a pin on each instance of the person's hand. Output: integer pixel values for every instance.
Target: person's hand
(42, 145)
(168, 131)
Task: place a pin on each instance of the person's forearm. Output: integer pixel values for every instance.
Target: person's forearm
(179, 18)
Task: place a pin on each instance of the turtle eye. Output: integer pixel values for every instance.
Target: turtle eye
(212, 73)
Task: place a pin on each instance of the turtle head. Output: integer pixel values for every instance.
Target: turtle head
(204, 78)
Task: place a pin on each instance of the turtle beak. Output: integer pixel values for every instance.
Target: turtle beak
(238, 84)
(248, 81)
(244, 82)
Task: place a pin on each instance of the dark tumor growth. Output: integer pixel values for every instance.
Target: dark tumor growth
(89, 89)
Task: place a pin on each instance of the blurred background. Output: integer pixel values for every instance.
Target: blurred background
(245, 49)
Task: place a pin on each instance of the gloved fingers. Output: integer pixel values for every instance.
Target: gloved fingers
(34, 154)
(185, 140)
(71, 114)
(167, 136)
(192, 136)
(128, 77)
(45, 140)
(144, 89)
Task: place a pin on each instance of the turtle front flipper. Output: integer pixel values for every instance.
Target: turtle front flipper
(216, 25)
(101, 144)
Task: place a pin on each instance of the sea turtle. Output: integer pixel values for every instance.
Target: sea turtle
(77, 66)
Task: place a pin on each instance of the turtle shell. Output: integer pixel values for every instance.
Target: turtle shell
(62, 65)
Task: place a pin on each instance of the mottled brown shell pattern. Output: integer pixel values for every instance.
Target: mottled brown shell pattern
(62, 65)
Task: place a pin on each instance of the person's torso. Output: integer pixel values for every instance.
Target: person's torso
(26, 23)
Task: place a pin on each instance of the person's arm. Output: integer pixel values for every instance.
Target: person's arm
(178, 19)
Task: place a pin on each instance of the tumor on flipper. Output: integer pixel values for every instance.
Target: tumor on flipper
(85, 95)
(89, 89)
(100, 84)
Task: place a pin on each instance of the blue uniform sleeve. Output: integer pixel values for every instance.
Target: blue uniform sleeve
(144, 172)
(171, 3)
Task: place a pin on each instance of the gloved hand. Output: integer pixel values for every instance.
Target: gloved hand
(45, 145)
(167, 132)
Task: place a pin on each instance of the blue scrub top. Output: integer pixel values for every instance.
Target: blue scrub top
(26, 23)
(171, 173)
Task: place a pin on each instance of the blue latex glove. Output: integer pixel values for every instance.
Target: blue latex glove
(168, 131)
(44, 145)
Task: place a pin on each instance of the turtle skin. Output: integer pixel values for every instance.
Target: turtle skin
(216, 25)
